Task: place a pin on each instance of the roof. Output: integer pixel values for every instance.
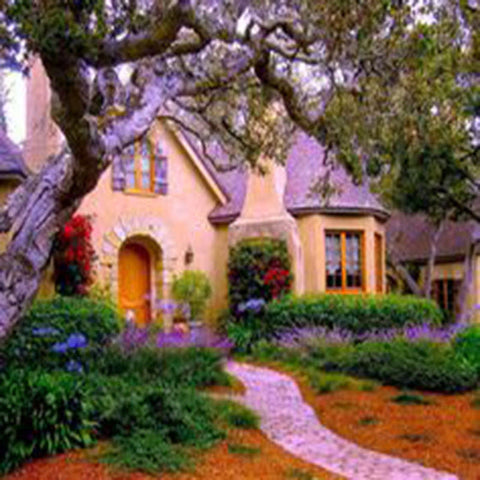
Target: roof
(409, 237)
(305, 166)
(11, 159)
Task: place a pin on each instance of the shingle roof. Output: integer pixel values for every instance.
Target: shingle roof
(11, 159)
(409, 237)
(304, 167)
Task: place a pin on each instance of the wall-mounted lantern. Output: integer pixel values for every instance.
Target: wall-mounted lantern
(189, 255)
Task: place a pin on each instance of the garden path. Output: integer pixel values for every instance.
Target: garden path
(291, 423)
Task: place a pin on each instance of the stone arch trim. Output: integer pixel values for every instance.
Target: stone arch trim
(127, 227)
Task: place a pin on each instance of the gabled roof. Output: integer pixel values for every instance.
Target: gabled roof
(305, 166)
(409, 237)
(11, 159)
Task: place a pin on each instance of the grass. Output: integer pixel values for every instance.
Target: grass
(297, 474)
(323, 382)
(243, 450)
(411, 398)
(476, 401)
(415, 437)
(236, 415)
(146, 451)
(366, 421)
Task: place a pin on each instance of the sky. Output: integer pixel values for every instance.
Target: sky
(16, 107)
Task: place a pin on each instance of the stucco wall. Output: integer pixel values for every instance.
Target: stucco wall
(312, 232)
(6, 188)
(180, 217)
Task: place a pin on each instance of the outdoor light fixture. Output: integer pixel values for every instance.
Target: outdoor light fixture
(189, 255)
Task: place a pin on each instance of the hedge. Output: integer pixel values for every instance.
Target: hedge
(356, 313)
(59, 331)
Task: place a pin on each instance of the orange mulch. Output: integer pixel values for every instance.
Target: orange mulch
(271, 463)
(444, 435)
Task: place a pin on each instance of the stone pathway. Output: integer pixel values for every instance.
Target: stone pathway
(288, 421)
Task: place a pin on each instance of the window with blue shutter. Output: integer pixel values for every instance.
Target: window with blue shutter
(142, 168)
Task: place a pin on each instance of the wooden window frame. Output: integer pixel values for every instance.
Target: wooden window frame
(379, 263)
(442, 283)
(343, 261)
(138, 189)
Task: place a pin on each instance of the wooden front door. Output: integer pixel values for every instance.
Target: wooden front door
(134, 282)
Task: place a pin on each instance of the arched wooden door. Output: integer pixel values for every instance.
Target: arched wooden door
(134, 282)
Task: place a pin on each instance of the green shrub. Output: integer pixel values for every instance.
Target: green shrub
(355, 313)
(422, 365)
(52, 323)
(324, 382)
(192, 366)
(41, 414)
(192, 288)
(248, 264)
(147, 451)
(243, 450)
(236, 415)
(467, 344)
(411, 398)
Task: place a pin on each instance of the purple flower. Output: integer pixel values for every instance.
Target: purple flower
(253, 305)
(77, 340)
(134, 337)
(74, 367)
(59, 347)
(44, 331)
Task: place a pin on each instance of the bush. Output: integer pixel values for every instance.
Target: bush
(356, 313)
(192, 288)
(74, 255)
(147, 451)
(467, 345)
(236, 415)
(422, 365)
(124, 405)
(61, 332)
(41, 414)
(192, 366)
(258, 269)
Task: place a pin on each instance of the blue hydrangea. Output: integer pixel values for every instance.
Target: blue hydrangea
(253, 305)
(74, 367)
(60, 347)
(44, 331)
(77, 340)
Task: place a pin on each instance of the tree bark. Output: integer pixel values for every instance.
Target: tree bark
(404, 274)
(33, 214)
(467, 283)
(427, 287)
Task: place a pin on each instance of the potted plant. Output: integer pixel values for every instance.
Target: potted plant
(192, 289)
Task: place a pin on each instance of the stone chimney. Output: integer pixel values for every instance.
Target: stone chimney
(264, 215)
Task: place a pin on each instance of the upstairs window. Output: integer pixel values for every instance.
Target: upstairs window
(344, 261)
(142, 168)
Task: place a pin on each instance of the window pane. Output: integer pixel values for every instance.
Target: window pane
(353, 260)
(129, 163)
(333, 260)
(146, 166)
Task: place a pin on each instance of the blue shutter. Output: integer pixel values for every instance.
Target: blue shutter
(161, 171)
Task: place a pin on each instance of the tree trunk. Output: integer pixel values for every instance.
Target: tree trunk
(467, 283)
(404, 274)
(34, 213)
(427, 286)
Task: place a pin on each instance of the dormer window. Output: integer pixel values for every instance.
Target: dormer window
(141, 169)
